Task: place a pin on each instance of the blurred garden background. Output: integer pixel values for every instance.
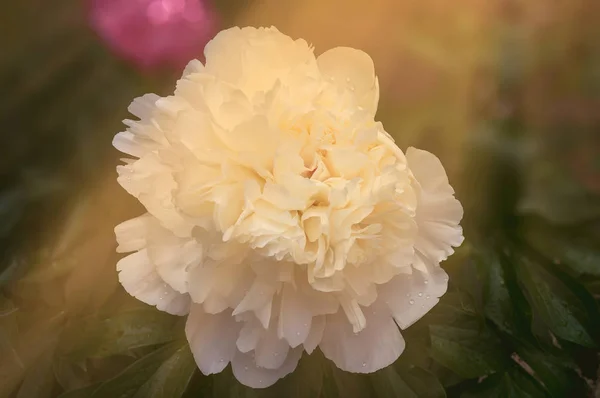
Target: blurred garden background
(505, 92)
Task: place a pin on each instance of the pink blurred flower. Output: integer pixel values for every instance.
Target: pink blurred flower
(154, 33)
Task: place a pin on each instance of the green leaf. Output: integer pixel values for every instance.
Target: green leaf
(469, 352)
(387, 383)
(97, 338)
(134, 378)
(454, 309)
(338, 383)
(557, 374)
(504, 303)
(562, 246)
(498, 304)
(423, 382)
(408, 383)
(306, 380)
(172, 378)
(553, 300)
(515, 383)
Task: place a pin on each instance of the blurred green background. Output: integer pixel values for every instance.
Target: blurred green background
(505, 92)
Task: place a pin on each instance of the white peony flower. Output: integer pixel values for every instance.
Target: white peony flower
(281, 216)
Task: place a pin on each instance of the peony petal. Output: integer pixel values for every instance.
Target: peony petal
(247, 373)
(140, 279)
(212, 339)
(151, 181)
(353, 313)
(316, 334)
(194, 66)
(294, 317)
(428, 170)
(259, 300)
(144, 106)
(271, 351)
(409, 297)
(173, 257)
(352, 69)
(374, 348)
(132, 234)
(129, 143)
(438, 212)
(249, 335)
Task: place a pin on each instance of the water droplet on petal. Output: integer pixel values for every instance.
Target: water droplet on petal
(426, 281)
(428, 297)
(407, 294)
(420, 294)
(411, 301)
(297, 333)
(364, 364)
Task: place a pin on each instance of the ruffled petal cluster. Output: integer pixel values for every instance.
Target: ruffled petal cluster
(281, 217)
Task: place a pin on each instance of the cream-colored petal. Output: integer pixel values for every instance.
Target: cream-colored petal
(250, 335)
(271, 351)
(354, 70)
(129, 143)
(174, 257)
(295, 316)
(248, 373)
(374, 348)
(132, 234)
(144, 106)
(259, 300)
(140, 279)
(409, 297)
(152, 182)
(316, 334)
(212, 339)
(354, 313)
(438, 212)
(171, 256)
(194, 66)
